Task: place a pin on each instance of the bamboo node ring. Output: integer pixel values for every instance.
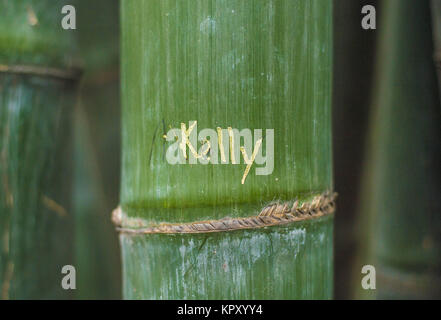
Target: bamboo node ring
(273, 214)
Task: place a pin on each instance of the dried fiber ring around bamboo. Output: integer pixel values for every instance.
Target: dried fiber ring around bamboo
(271, 215)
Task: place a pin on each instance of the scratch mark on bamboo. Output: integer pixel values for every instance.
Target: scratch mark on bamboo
(248, 161)
(220, 142)
(231, 136)
(153, 141)
(54, 206)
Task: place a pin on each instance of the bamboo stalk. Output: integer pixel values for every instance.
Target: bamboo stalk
(257, 65)
(97, 152)
(402, 181)
(436, 25)
(36, 97)
(354, 51)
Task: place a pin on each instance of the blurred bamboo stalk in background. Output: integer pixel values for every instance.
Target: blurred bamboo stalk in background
(354, 50)
(402, 190)
(97, 152)
(37, 94)
(436, 23)
(224, 63)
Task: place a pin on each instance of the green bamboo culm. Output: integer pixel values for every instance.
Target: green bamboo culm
(223, 63)
(354, 50)
(36, 96)
(97, 152)
(436, 24)
(402, 184)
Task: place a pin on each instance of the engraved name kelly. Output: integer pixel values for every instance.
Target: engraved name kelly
(222, 146)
